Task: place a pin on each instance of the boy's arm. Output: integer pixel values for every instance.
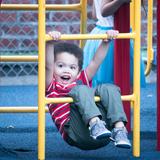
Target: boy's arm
(49, 62)
(49, 68)
(100, 55)
(109, 7)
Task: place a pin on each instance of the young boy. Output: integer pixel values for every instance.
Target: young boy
(83, 123)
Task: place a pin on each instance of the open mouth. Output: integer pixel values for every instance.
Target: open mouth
(65, 78)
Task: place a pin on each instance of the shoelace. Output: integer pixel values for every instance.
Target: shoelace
(97, 122)
(121, 134)
(99, 125)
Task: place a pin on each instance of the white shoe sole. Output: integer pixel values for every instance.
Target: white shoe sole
(104, 135)
(123, 144)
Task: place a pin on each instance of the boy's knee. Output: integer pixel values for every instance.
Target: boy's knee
(80, 90)
(109, 88)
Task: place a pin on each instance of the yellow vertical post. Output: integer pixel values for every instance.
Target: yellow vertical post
(132, 22)
(136, 84)
(41, 80)
(83, 17)
(149, 37)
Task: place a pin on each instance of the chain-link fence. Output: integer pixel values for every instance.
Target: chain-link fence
(18, 32)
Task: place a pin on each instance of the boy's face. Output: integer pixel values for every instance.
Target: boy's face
(66, 68)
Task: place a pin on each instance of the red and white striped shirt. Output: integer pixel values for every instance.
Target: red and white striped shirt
(60, 112)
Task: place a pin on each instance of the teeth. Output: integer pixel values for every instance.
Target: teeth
(65, 77)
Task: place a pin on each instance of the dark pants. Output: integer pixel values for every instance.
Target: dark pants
(109, 109)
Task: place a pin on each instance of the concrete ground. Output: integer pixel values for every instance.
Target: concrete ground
(18, 131)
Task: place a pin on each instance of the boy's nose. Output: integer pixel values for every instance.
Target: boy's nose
(67, 69)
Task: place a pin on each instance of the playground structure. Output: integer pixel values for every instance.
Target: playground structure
(134, 97)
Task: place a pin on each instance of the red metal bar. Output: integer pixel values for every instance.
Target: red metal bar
(158, 75)
(122, 57)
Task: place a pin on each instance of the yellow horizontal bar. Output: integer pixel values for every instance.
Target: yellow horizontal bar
(34, 109)
(22, 109)
(91, 36)
(19, 58)
(70, 100)
(128, 97)
(67, 7)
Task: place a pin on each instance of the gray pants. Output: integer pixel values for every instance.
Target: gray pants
(109, 109)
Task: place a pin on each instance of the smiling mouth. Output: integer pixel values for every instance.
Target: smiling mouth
(66, 78)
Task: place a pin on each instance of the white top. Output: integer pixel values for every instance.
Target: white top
(102, 21)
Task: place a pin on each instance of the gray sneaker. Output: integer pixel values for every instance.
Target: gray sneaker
(98, 131)
(119, 136)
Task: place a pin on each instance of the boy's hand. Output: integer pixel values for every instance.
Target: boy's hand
(55, 35)
(112, 34)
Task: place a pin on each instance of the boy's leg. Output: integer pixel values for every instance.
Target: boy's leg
(111, 101)
(83, 109)
(84, 99)
(79, 134)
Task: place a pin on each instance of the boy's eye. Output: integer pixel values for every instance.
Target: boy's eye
(73, 67)
(60, 65)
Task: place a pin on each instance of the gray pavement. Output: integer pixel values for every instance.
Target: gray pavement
(18, 131)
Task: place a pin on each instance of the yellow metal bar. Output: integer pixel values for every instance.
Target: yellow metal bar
(91, 36)
(18, 58)
(21, 109)
(70, 100)
(132, 14)
(41, 79)
(32, 109)
(83, 19)
(136, 82)
(149, 37)
(67, 7)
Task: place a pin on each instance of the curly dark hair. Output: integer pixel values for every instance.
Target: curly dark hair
(71, 49)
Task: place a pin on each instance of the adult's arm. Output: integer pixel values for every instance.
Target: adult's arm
(94, 11)
(109, 7)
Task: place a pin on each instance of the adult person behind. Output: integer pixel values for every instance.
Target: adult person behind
(103, 11)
